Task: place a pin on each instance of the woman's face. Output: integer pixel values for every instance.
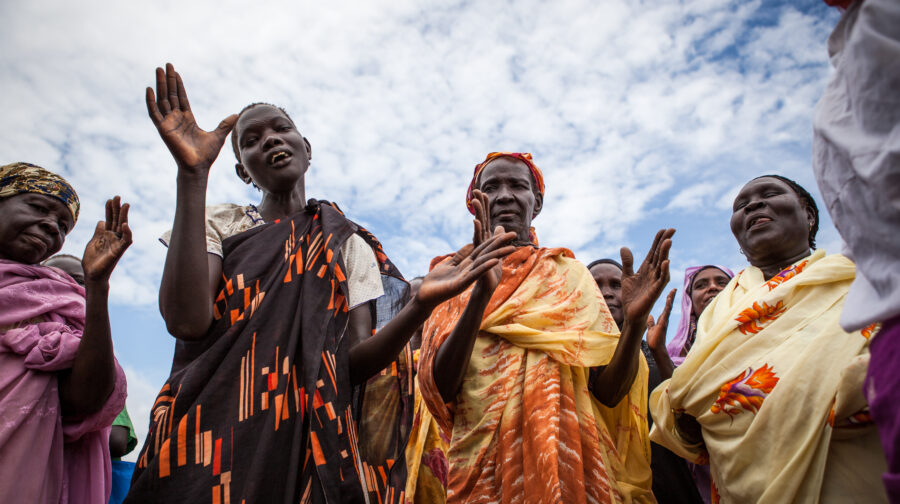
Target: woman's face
(274, 155)
(706, 284)
(770, 222)
(513, 202)
(33, 227)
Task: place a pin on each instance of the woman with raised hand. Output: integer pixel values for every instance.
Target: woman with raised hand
(770, 394)
(60, 385)
(274, 307)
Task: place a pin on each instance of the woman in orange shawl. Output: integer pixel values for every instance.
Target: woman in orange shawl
(505, 365)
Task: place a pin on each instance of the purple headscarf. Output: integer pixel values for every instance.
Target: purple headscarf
(676, 346)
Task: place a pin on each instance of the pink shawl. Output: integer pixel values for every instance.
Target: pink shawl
(47, 458)
(676, 346)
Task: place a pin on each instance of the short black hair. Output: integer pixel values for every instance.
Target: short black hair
(605, 261)
(806, 199)
(234, 132)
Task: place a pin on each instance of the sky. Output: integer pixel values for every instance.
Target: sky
(641, 114)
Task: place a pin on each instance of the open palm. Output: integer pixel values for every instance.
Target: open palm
(642, 288)
(454, 274)
(192, 147)
(111, 239)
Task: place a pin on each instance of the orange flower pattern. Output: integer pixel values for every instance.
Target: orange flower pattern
(746, 392)
(786, 275)
(754, 319)
(869, 331)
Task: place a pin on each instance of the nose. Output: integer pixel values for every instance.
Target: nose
(272, 140)
(753, 205)
(503, 193)
(50, 227)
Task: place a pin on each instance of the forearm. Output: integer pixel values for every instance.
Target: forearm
(663, 362)
(373, 354)
(614, 381)
(184, 297)
(452, 358)
(85, 389)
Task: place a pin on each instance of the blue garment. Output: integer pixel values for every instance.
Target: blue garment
(121, 480)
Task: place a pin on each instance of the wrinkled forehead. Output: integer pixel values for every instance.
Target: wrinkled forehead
(605, 271)
(506, 169)
(763, 183)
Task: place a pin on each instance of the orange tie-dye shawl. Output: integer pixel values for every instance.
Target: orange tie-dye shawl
(524, 427)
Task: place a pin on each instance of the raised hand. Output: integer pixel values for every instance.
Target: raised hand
(656, 331)
(642, 288)
(482, 233)
(111, 239)
(193, 148)
(454, 275)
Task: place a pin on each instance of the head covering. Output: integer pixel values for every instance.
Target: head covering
(525, 157)
(521, 156)
(19, 178)
(678, 343)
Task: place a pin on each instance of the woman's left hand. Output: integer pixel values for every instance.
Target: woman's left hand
(642, 288)
(111, 239)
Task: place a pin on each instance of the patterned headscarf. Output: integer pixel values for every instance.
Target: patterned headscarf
(521, 156)
(688, 322)
(18, 178)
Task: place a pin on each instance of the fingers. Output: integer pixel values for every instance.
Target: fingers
(476, 272)
(462, 253)
(497, 240)
(125, 230)
(651, 322)
(225, 127)
(494, 254)
(123, 217)
(162, 91)
(664, 316)
(627, 261)
(109, 215)
(152, 109)
(486, 205)
(182, 94)
(478, 235)
(172, 85)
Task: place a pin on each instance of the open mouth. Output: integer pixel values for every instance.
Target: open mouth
(758, 220)
(279, 157)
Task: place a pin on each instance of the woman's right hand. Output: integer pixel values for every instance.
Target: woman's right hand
(193, 148)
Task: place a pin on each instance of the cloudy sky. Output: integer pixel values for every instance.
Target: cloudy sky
(642, 114)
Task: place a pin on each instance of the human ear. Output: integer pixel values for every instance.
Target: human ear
(242, 173)
(538, 204)
(308, 148)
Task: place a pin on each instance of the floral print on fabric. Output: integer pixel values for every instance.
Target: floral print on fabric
(19, 178)
(754, 319)
(746, 392)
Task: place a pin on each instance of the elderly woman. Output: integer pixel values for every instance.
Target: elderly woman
(771, 392)
(505, 365)
(60, 386)
(279, 310)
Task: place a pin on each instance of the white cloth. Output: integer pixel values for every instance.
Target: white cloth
(856, 155)
(363, 274)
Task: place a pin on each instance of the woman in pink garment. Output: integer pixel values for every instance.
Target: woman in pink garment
(60, 385)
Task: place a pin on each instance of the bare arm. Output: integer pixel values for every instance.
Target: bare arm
(84, 389)
(369, 355)
(656, 338)
(452, 358)
(190, 275)
(639, 291)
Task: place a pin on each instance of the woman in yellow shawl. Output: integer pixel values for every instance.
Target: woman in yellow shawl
(505, 365)
(770, 394)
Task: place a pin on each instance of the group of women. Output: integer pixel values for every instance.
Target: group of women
(293, 378)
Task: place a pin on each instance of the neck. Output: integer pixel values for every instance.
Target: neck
(776, 266)
(276, 206)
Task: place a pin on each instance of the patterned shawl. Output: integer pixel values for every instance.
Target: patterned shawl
(524, 424)
(262, 409)
(774, 382)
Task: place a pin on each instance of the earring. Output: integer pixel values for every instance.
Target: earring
(741, 251)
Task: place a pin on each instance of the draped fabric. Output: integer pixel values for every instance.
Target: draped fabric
(47, 457)
(426, 455)
(776, 385)
(524, 427)
(262, 409)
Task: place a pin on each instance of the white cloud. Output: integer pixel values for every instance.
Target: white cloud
(638, 112)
